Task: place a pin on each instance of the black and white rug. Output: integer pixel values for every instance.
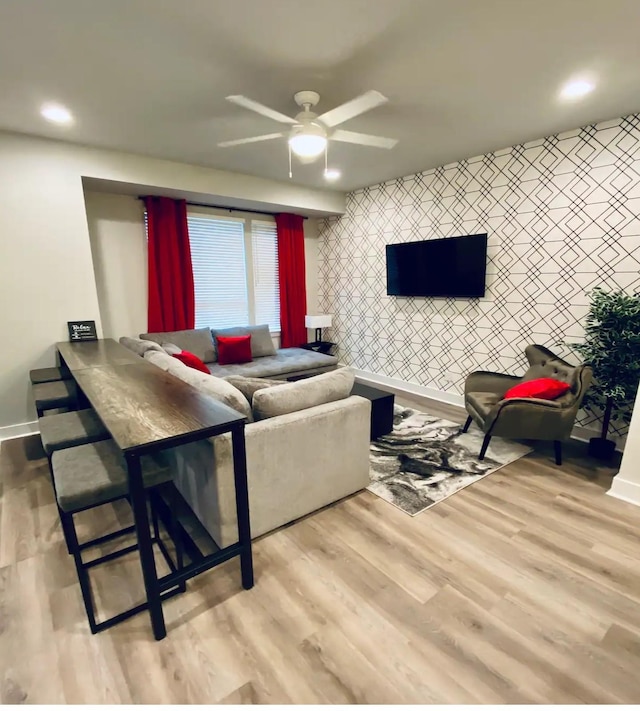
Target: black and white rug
(425, 459)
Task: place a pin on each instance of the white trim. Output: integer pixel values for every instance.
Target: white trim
(409, 388)
(582, 434)
(625, 490)
(14, 431)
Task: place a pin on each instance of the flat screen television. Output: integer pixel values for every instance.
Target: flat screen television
(454, 266)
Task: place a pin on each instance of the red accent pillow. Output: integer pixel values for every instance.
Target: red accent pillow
(543, 388)
(234, 349)
(192, 361)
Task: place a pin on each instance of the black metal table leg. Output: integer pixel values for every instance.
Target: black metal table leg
(145, 547)
(242, 504)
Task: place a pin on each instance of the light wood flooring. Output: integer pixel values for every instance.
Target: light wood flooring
(523, 588)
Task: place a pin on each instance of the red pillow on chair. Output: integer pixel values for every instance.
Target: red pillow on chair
(543, 388)
(234, 349)
(192, 361)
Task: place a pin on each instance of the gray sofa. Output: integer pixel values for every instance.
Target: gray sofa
(267, 362)
(307, 446)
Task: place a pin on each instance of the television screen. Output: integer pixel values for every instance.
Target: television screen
(454, 266)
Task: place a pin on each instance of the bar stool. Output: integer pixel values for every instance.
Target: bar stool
(55, 394)
(46, 375)
(94, 474)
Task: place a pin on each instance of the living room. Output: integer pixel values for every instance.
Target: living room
(517, 582)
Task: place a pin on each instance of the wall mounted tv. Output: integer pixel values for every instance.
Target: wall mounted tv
(454, 266)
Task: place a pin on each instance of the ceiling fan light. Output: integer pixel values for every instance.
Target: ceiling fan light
(307, 146)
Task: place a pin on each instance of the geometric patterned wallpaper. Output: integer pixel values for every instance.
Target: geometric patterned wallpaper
(562, 214)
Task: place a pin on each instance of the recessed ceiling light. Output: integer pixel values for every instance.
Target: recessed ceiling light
(56, 113)
(332, 174)
(577, 88)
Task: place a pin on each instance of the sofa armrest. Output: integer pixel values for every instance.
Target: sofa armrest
(531, 418)
(487, 382)
(296, 463)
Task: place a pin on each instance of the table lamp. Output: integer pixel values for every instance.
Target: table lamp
(319, 321)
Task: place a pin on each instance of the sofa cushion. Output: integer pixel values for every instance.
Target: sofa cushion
(197, 341)
(303, 394)
(249, 386)
(286, 360)
(140, 346)
(261, 343)
(234, 349)
(216, 387)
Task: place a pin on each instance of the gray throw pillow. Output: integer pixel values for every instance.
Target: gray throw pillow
(302, 394)
(197, 341)
(171, 348)
(139, 346)
(261, 343)
(249, 386)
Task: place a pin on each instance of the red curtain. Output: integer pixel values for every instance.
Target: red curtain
(291, 273)
(171, 295)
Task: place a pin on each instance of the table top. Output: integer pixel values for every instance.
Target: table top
(92, 354)
(142, 406)
(370, 392)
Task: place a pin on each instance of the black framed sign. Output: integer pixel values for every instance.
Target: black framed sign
(82, 331)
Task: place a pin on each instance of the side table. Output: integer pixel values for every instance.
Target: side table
(319, 346)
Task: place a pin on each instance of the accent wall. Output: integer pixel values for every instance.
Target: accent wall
(563, 216)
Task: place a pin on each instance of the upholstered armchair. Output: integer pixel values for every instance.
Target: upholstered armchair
(526, 418)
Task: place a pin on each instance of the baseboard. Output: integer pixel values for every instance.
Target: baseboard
(409, 388)
(22, 430)
(582, 434)
(625, 490)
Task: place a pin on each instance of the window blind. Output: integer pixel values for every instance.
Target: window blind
(219, 271)
(264, 245)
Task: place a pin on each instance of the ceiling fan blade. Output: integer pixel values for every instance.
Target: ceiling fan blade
(355, 107)
(253, 139)
(363, 139)
(260, 109)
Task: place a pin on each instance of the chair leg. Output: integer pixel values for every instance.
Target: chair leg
(485, 444)
(467, 424)
(83, 577)
(557, 446)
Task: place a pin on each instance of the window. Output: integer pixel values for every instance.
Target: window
(235, 270)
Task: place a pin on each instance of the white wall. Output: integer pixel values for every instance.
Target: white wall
(311, 264)
(119, 251)
(46, 269)
(626, 483)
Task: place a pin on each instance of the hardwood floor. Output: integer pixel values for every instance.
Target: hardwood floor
(522, 588)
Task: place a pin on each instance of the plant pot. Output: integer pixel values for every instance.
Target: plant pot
(601, 448)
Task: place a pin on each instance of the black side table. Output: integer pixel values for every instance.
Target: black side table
(319, 346)
(381, 408)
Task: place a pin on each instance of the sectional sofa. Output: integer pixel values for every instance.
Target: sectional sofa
(307, 443)
(283, 363)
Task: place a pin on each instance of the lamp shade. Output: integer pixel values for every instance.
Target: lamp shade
(318, 321)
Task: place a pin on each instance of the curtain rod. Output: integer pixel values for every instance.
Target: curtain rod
(228, 209)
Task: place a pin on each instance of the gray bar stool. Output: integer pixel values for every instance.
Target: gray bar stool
(52, 395)
(93, 474)
(46, 375)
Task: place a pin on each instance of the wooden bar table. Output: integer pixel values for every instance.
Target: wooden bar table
(147, 410)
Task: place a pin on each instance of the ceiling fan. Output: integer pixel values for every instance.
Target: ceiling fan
(310, 133)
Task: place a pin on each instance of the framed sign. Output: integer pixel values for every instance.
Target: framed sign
(82, 331)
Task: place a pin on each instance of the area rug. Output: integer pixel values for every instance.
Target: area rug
(425, 459)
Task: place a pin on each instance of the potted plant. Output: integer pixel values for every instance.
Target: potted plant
(612, 347)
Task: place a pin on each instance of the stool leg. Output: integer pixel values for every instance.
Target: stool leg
(177, 538)
(83, 577)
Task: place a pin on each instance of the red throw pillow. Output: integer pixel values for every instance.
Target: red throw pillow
(192, 361)
(543, 388)
(234, 349)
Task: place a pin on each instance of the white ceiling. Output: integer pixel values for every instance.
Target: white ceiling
(463, 76)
